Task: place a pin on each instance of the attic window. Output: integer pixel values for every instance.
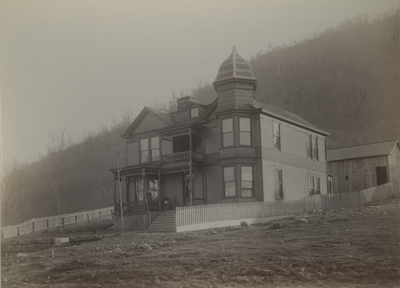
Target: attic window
(194, 112)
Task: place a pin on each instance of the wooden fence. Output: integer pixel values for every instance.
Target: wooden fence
(41, 224)
(198, 216)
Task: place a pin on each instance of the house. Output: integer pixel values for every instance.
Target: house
(361, 167)
(236, 149)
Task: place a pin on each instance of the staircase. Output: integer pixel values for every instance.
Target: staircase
(164, 222)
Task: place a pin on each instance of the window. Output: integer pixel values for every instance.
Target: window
(153, 189)
(139, 189)
(315, 148)
(194, 112)
(144, 150)
(245, 131)
(155, 149)
(330, 184)
(277, 136)
(247, 181)
(309, 145)
(312, 147)
(227, 132)
(314, 185)
(310, 185)
(278, 184)
(229, 181)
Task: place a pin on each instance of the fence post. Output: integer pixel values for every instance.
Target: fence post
(33, 226)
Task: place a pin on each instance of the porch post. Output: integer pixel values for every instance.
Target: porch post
(190, 167)
(128, 193)
(115, 193)
(159, 190)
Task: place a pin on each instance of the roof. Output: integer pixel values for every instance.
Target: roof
(284, 115)
(235, 67)
(361, 151)
(162, 115)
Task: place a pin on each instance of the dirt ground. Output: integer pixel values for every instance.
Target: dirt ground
(347, 248)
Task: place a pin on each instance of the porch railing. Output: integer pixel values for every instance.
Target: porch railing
(138, 206)
(180, 156)
(169, 158)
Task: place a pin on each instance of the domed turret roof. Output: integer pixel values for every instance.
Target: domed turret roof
(234, 67)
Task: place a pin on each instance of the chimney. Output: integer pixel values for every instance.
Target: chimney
(183, 101)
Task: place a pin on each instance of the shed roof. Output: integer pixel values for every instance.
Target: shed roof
(361, 151)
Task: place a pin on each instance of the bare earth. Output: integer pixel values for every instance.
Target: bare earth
(349, 248)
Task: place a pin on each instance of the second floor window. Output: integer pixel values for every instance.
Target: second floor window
(245, 131)
(155, 149)
(312, 147)
(309, 145)
(277, 136)
(315, 148)
(144, 150)
(194, 112)
(227, 132)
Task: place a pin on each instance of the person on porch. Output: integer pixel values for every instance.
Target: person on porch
(167, 203)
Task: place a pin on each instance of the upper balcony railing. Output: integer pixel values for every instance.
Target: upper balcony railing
(181, 156)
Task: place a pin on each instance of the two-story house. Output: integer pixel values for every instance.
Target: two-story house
(236, 149)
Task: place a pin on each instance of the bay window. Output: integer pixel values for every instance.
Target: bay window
(229, 181)
(227, 132)
(247, 181)
(244, 131)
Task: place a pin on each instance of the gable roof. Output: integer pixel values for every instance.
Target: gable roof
(361, 151)
(284, 115)
(164, 116)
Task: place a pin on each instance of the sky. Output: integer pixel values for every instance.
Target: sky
(79, 65)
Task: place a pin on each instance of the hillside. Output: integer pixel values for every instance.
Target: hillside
(346, 82)
(75, 179)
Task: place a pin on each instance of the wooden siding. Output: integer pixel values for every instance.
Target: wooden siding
(360, 173)
(214, 183)
(133, 153)
(394, 168)
(294, 180)
(150, 122)
(293, 139)
(212, 140)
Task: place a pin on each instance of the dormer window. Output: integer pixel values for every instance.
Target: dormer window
(194, 112)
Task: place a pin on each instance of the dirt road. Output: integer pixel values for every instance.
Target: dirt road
(350, 248)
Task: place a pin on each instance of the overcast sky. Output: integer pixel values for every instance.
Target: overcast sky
(78, 64)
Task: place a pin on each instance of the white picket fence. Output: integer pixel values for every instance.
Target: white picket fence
(220, 215)
(41, 224)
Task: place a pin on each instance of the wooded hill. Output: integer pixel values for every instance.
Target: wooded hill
(345, 81)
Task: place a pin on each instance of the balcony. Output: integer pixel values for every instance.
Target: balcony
(181, 156)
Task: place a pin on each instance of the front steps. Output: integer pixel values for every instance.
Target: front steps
(165, 222)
